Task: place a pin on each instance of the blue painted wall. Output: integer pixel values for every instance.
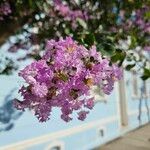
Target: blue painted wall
(76, 135)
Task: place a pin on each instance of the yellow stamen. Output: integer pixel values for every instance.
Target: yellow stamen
(89, 82)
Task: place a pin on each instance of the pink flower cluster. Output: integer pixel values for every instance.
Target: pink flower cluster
(147, 48)
(5, 10)
(68, 14)
(63, 78)
(140, 20)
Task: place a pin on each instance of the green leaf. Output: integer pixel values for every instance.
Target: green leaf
(107, 49)
(30, 3)
(129, 67)
(82, 23)
(146, 71)
(147, 15)
(144, 77)
(146, 74)
(89, 39)
(133, 42)
(118, 57)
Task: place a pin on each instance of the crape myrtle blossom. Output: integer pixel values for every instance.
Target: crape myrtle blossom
(63, 78)
(138, 18)
(147, 48)
(142, 20)
(68, 14)
(5, 10)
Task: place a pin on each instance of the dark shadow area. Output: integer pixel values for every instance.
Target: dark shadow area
(8, 114)
(143, 97)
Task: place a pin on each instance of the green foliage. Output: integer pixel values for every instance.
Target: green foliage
(101, 28)
(89, 39)
(133, 42)
(106, 46)
(107, 49)
(130, 66)
(82, 23)
(146, 74)
(118, 57)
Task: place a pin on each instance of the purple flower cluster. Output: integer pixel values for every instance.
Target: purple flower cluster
(141, 20)
(5, 10)
(138, 18)
(143, 23)
(147, 48)
(69, 15)
(63, 78)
